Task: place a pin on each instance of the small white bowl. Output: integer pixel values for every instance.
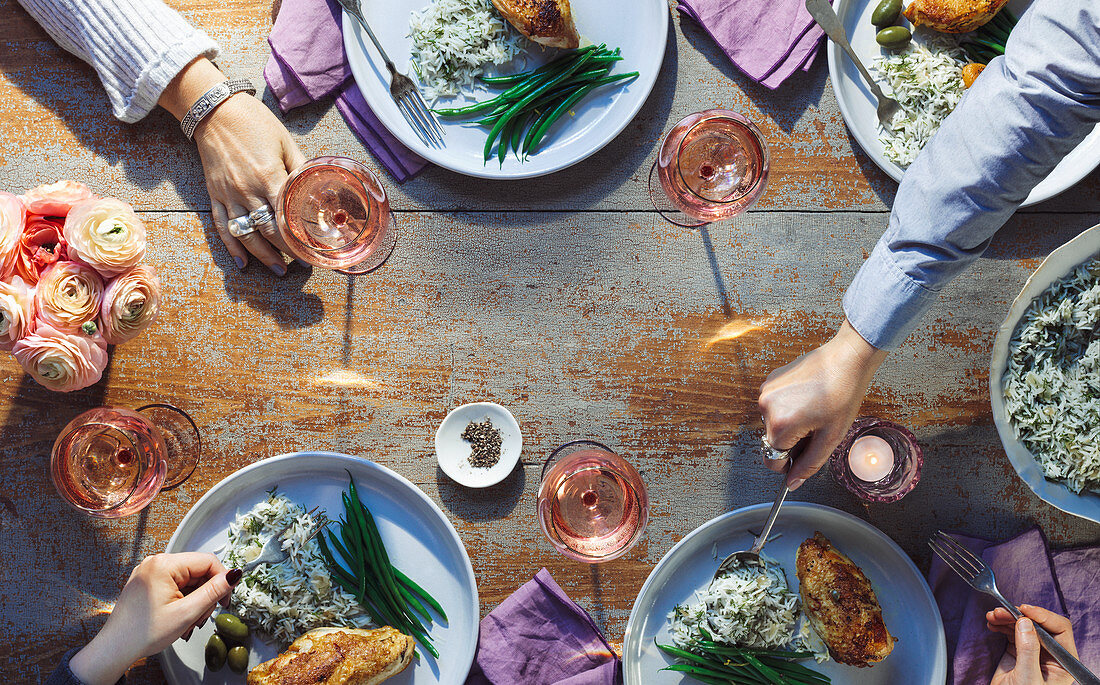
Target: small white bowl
(453, 453)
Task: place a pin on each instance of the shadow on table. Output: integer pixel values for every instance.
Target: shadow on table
(482, 504)
(63, 563)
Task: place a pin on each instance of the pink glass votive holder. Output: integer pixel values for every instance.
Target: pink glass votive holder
(902, 478)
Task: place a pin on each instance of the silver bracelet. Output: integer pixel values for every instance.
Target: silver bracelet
(210, 101)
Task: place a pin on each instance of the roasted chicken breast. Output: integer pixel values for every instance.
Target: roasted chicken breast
(547, 22)
(338, 656)
(841, 604)
(952, 16)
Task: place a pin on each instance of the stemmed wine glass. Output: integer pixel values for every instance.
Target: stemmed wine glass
(592, 503)
(712, 165)
(333, 213)
(111, 462)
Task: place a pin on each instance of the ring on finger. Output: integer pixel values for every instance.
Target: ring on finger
(240, 227)
(778, 455)
(261, 215)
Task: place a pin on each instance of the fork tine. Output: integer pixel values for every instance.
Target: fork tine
(962, 553)
(428, 112)
(412, 101)
(403, 105)
(951, 558)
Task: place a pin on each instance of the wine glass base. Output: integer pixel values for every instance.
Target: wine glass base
(380, 254)
(181, 438)
(670, 212)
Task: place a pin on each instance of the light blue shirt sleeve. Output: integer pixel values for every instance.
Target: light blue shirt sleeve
(1024, 113)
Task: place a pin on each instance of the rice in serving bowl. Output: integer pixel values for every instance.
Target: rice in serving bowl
(453, 40)
(289, 599)
(747, 607)
(926, 80)
(1052, 382)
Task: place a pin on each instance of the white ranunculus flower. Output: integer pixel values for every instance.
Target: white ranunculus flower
(106, 235)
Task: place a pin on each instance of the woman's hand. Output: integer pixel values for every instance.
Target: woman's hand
(246, 155)
(166, 596)
(817, 396)
(1024, 662)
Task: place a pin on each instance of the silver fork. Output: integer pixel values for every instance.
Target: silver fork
(825, 16)
(273, 552)
(402, 89)
(979, 576)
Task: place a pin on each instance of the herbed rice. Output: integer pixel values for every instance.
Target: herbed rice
(453, 41)
(1052, 384)
(288, 599)
(748, 608)
(926, 80)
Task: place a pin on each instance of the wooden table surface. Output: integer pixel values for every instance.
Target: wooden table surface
(565, 298)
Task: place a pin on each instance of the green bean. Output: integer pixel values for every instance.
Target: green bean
(497, 127)
(506, 138)
(532, 143)
(407, 582)
(516, 78)
(995, 47)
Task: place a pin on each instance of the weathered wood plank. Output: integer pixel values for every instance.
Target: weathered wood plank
(605, 325)
(48, 97)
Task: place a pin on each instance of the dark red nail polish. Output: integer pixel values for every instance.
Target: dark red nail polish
(234, 576)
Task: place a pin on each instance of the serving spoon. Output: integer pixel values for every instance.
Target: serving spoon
(751, 556)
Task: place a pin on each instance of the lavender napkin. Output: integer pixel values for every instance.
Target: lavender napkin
(539, 636)
(1027, 573)
(767, 39)
(308, 63)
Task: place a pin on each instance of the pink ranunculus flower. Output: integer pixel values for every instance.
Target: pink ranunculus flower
(56, 199)
(62, 361)
(68, 296)
(106, 235)
(131, 304)
(16, 312)
(13, 216)
(42, 244)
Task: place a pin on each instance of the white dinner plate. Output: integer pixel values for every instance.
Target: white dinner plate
(857, 105)
(420, 540)
(1060, 263)
(910, 612)
(638, 27)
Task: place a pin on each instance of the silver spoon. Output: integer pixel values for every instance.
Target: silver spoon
(751, 556)
(824, 14)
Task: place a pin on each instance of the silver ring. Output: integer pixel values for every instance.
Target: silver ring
(261, 215)
(777, 455)
(240, 227)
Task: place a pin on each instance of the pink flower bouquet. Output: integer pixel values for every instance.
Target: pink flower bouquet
(71, 282)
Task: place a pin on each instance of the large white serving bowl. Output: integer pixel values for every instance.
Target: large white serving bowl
(1060, 263)
(908, 607)
(638, 27)
(419, 538)
(857, 105)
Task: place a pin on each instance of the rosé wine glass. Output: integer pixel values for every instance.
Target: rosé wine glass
(111, 462)
(592, 503)
(333, 213)
(712, 165)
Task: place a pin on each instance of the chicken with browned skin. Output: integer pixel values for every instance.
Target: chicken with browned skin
(547, 22)
(952, 16)
(841, 605)
(338, 656)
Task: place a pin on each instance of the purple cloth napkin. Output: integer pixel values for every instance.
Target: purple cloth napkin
(767, 39)
(539, 636)
(308, 63)
(1027, 573)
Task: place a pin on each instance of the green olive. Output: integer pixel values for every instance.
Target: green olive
(894, 37)
(231, 628)
(886, 13)
(215, 653)
(238, 659)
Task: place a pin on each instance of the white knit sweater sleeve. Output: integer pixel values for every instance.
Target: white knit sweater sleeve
(136, 46)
